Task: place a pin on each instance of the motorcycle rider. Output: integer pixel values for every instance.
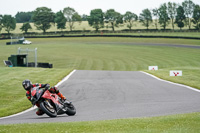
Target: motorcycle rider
(27, 84)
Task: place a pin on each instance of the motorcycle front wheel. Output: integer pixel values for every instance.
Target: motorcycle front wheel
(71, 110)
(47, 108)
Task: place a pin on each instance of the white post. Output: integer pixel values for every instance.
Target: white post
(35, 57)
(19, 50)
(11, 40)
(27, 51)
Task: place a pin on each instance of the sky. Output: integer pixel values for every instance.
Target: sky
(11, 7)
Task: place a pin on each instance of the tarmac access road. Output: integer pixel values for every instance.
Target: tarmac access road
(106, 95)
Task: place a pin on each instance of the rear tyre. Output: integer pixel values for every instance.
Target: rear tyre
(71, 110)
(47, 108)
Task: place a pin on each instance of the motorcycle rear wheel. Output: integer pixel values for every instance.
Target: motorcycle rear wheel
(49, 110)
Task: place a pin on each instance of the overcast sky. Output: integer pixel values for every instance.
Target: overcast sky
(11, 7)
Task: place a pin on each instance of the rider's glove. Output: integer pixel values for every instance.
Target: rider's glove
(54, 90)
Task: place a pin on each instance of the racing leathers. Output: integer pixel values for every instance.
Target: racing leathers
(52, 90)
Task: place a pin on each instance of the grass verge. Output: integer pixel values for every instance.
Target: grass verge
(190, 75)
(182, 123)
(12, 96)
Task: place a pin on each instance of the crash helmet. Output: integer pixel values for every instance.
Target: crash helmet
(27, 84)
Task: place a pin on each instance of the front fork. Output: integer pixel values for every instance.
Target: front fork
(48, 103)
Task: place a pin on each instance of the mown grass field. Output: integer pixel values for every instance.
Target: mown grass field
(151, 33)
(118, 54)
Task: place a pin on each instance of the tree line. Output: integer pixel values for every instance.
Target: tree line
(182, 15)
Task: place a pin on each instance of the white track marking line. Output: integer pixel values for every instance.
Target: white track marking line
(32, 108)
(191, 88)
(66, 78)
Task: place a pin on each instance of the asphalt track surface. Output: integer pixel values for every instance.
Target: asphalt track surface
(106, 95)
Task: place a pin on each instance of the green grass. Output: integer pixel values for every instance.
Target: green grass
(187, 123)
(190, 75)
(103, 54)
(100, 53)
(156, 33)
(95, 54)
(12, 96)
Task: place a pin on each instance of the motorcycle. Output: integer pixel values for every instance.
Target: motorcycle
(50, 103)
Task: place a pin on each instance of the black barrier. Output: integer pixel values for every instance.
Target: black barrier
(45, 65)
(31, 64)
(102, 35)
(132, 36)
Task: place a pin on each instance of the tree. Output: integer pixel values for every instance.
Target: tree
(84, 17)
(130, 18)
(9, 23)
(172, 12)
(180, 24)
(145, 17)
(75, 18)
(96, 19)
(196, 16)
(163, 16)
(25, 27)
(180, 16)
(114, 18)
(43, 17)
(156, 15)
(22, 17)
(60, 20)
(188, 7)
(72, 16)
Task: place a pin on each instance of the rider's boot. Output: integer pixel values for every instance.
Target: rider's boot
(39, 112)
(66, 102)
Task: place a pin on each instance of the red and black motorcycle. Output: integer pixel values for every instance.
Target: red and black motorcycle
(50, 103)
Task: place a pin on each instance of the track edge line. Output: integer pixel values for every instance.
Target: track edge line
(191, 88)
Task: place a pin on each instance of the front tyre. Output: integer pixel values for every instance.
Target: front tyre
(71, 110)
(47, 108)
